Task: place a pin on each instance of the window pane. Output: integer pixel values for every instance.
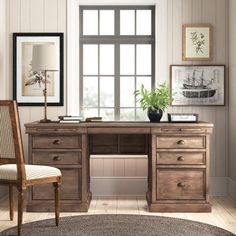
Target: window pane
(90, 22)
(90, 59)
(90, 112)
(106, 22)
(127, 22)
(145, 80)
(127, 114)
(107, 91)
(127, 59)
(144, 22)
(107, 59)
(141, 115)
(127, 91)
(144, 59)
(107, 114)
(90, 92)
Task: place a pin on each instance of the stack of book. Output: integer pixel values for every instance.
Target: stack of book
(70, 119)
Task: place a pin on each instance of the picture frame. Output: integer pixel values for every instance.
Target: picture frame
(197, 42)
(28, 85)
(197, 85)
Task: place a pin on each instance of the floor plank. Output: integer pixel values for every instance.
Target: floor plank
(223, 211)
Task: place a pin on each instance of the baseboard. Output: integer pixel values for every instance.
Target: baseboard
(118, 186)
(232, 189)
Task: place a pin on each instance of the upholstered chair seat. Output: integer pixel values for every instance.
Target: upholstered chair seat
(9, 172)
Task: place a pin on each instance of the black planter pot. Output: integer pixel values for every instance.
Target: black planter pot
(154, 115)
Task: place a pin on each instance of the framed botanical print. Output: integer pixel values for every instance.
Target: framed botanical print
(197, 42)
(199, 85)
(28, 85)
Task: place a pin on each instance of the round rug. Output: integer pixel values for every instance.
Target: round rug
(119, 225)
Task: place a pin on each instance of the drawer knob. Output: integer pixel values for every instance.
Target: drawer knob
(56, 158)
(181, 142)
(180, 158)
(56, 141)
(181, 185)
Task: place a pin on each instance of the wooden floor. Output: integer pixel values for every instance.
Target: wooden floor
(223, 211)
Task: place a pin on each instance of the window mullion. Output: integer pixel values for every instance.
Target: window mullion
(117, 81)
(117, 68)
(81, 79)
(99, 79)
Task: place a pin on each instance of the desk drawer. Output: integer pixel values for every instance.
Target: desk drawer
(57, 142)
(70, 187)
(181, 142)
(181, 158)
(180, 184)
(56, 158)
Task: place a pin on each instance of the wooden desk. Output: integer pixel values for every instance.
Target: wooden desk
(178, 161)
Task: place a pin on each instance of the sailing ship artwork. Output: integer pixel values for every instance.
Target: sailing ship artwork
(197, 85)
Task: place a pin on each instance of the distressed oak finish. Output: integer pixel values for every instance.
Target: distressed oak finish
(179, 168)
(21, 183)
(64, 147)
(178, 161)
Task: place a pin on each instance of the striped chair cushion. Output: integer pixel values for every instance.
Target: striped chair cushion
(9, 172)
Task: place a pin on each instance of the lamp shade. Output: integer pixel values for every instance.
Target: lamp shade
(45, 57)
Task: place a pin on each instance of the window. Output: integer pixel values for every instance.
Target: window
(116, 58)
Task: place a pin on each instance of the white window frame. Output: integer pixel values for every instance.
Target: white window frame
(161, 65)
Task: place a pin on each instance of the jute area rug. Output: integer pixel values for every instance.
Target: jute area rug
(119, 225)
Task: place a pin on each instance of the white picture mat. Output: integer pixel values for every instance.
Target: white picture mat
(190, 48)
(213, 79)
(36, 99)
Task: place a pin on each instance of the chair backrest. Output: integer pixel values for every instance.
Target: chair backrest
(11, 148)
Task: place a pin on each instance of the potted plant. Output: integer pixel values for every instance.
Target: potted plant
(155, 101)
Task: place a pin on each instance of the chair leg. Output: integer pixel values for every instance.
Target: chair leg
(57, 202)
(20, 209)
(11, 203)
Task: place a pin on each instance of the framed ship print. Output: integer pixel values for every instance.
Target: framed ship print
(28, 85)
(199, 85)
(197, 42)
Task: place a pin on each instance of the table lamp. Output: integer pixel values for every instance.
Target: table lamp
(45, 58)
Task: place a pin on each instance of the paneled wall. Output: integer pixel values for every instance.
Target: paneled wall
(34, 16)
(50, 16)
(30, 16)
(214, 12)
(170, 15)
(232, 100)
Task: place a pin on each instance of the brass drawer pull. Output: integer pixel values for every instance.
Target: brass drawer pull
(180, 158)
(56, 158)
(182, 185)
(181, 142)
(57, 141)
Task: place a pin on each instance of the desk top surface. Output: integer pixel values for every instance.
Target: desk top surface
(119, 124)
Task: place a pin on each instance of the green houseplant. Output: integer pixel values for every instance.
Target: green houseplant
(155, 101)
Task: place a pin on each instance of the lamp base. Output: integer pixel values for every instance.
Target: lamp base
(45, 121)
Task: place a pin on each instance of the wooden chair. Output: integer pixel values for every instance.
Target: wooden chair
(13, 171)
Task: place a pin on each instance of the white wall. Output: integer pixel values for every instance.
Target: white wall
(29, 16)
(232, 99)
(171, 14)
(50, 16)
